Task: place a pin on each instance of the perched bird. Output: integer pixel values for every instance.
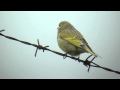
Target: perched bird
(71, 41)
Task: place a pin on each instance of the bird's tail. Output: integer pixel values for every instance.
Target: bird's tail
(96, 55)
(92, 53)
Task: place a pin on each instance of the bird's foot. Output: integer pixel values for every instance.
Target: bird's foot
(65, 55)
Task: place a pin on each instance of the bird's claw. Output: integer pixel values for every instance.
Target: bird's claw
(65, 55)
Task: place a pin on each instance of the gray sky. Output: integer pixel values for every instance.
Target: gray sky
(101, 29)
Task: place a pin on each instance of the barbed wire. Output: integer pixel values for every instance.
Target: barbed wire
(86, 62)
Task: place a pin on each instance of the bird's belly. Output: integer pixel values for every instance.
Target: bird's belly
(69, 48)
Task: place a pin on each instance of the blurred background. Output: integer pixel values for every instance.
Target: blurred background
(101, 29)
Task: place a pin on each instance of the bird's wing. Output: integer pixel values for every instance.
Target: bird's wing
(83, 40)
(77, 41)
(71, 39)
(79, 35)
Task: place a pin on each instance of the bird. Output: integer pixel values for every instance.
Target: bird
(71, 41)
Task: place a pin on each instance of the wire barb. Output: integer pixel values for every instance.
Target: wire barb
(87, 63)
(40, 47)
(45, 48)
(37, 47)
(90, 64)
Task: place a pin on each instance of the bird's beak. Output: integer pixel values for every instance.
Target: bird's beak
(58, 27)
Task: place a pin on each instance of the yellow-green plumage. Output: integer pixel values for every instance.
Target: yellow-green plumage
(71, 41)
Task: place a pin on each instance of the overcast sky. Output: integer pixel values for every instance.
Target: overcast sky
(101, 29)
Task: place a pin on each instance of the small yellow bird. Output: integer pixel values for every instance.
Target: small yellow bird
(71, 41)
